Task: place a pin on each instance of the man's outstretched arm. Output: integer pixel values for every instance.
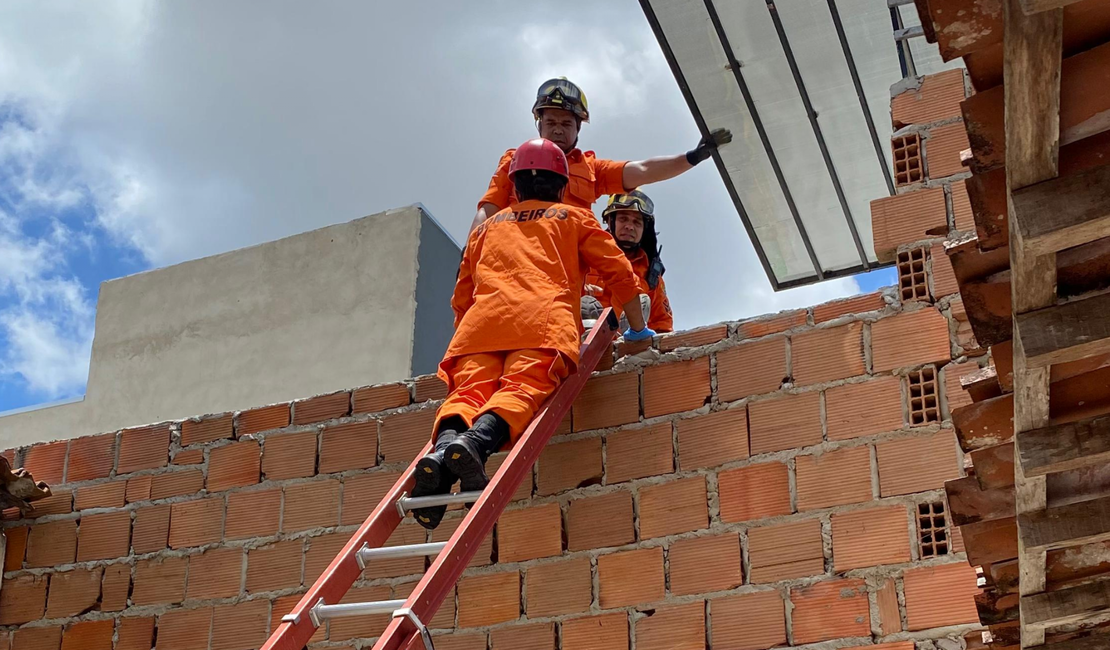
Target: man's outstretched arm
(653, 170)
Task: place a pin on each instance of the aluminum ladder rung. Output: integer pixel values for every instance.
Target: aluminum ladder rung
(321, 612)
(366, 554)
(406, 503)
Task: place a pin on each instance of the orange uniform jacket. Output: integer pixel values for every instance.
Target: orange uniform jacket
(519, 281)
(590, 178)
(661, 318)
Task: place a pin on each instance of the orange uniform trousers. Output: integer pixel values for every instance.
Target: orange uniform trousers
(513, 384)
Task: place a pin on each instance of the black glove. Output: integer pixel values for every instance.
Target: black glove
(705, 147)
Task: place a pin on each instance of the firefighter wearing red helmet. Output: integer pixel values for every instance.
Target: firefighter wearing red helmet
(516, 320)
(560, 109)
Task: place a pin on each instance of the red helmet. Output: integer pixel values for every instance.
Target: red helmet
(539, 154)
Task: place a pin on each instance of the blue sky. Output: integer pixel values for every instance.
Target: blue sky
(127, 143)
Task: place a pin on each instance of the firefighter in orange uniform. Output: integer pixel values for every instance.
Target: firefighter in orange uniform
(630, 219)
(560, 109)
(516, 306)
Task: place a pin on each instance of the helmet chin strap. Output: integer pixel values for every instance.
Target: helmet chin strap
(627, 246)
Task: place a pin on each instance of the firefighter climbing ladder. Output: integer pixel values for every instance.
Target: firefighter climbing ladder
(407, 629)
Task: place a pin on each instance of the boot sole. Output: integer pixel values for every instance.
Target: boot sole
(427, 478)
(469, 469)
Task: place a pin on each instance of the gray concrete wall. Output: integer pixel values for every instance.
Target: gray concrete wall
(321, 311)
(437, 269)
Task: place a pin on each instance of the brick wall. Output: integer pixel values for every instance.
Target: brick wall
(747, 485)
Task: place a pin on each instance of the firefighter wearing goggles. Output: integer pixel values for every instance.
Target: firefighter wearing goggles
(560, 109)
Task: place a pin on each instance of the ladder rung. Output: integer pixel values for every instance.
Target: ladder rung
(406, 503)
(366, 554)
(321, 612)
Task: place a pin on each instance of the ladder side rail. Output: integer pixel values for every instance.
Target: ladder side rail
(344, 569)
(445, 571)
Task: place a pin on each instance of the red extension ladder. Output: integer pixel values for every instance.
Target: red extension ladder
(407, 629)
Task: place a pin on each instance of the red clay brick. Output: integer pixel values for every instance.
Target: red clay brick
(144, 448)
(830, 610)
(404, 435)
(917, 464)
(23, 599)
(59, 503)
(792, 550)
(152, 529)
(713, 439)
(482, 557)
(961, 207)
(693, 338)
(135, 633)
(89, 635)
(37, 638)
(216, 573)
(639, 452)
(569, 465)
(284, 605)
(103, 537)
(786, 422)
(855, 305)
(253, 514)
(211, 429)
(321, 551)
(943, 145)
(47, 462)
(309, 505)
(138, 488)
(907, 218)
(676, 387)
(349, 446)
(405, 534)
(944, 278)
(939, 596)
(198, 522)
(379, 398)
(630, 577)
(936, 98)
(864, 409)
(559, 587)
(362, 493)
(73, 592)
(241, 626)
(175, 484)
(835, 478)
(863, 538)
(457, 641)
(115, 587)
(751, 369)
(235, 465)
(524, 489)
(754, 492)
(704, 564)
(764, 325)
(102, 495)
(953, 390)
(890, 620)
(607, 401)
(429, 387)
(277, 566)
(52, 544)
(604, 632)
(749, 621)
(537, 636)
(91, 458)
(826, 354)
(160, 580)
(16, 548)
(185, 629)
(601, 521)
(675, 507)
(263, 419)
(530, 533)
(674, 627)
(322, 407)
(489, 599)
(290, 455)
(910, 339)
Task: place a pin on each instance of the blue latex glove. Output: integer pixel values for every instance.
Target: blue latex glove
(632, 335)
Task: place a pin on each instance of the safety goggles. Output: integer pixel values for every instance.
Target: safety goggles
(634, 200)
(560, 93)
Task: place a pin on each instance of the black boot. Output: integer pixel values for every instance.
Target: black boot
(466, 456)
(432, 474)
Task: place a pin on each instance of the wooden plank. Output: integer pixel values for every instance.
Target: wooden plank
(988, 542)
(1092, 642)
(995, 607)
(1063, 212)
(1085, 522)
(968, 503)
(1067, 446)
(1066, 606)
(1065, 333)
(994, 466)
(1036, 6)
